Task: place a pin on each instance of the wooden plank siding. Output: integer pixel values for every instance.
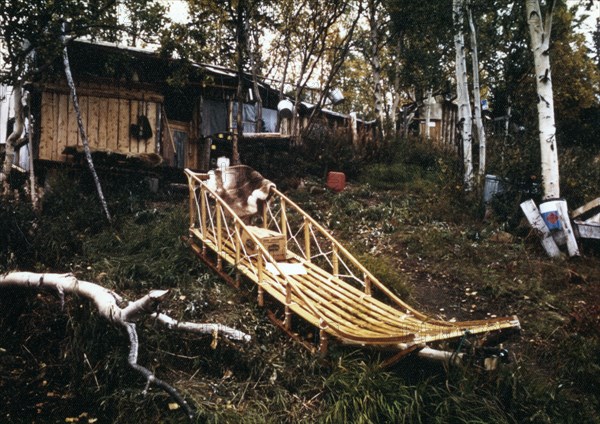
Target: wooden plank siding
(133, 114)
(107, 114)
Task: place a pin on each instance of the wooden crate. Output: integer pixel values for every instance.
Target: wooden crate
(273, 241)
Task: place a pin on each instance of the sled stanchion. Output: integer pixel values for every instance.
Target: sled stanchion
(335, 261)
(306, 239)
(218, 211)
(288, 300)
(283, 220)
(323, 341)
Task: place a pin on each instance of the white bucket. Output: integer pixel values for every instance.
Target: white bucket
(493, 185)
(336, 96)
(285, 108)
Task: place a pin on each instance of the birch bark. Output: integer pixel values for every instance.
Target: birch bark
(258, 125)
(84, 138)
(539, 32)
(462, 91)
(428, 113)
(376, 63)
(9, 146)
(33, 192)
(481, 138)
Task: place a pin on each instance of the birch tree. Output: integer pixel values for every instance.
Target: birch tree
(462, 92)
(82, 131)
(539, 32)
(11, 141)
(481, 138)
(375, 32)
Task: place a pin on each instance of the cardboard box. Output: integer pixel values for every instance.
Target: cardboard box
(273, 241)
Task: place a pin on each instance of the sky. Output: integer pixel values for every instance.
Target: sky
(589, 25)
(177, 10)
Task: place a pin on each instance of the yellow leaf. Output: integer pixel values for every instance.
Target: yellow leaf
(173, 406)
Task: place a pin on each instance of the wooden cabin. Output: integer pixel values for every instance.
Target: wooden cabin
(442, 121)
(137, 115)
(133, 113)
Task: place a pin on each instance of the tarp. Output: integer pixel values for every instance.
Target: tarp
(214, 117)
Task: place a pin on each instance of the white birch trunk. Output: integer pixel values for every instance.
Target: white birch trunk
(462, 89)
(428, 114)
(539, 32)
(354, 128)
(258, 124)
(395, 104)
(396, 94)
(477, 98)
(32, 187)
(376, 65)
(13, 138)
(84, 138)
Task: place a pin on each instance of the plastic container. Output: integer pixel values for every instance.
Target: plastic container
(336, 181)
(550, 214)
(336, 96)
(493, 185)
(285, 108)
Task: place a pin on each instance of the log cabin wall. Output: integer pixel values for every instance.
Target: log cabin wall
(107, 113)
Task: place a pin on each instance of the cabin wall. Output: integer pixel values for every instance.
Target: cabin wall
(107, 113)
(442, 130)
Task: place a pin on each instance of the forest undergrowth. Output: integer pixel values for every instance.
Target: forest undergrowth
(408, 221)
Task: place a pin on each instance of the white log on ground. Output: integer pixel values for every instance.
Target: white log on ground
(539, 31)
(567, 228)
(107, 304)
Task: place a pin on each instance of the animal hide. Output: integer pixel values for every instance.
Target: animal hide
(242, 188)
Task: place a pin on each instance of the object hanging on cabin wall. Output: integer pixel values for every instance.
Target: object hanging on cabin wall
(142, 130)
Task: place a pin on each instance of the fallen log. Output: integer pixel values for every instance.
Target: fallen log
(107, 303)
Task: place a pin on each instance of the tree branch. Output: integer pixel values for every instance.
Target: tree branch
(106, 301)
